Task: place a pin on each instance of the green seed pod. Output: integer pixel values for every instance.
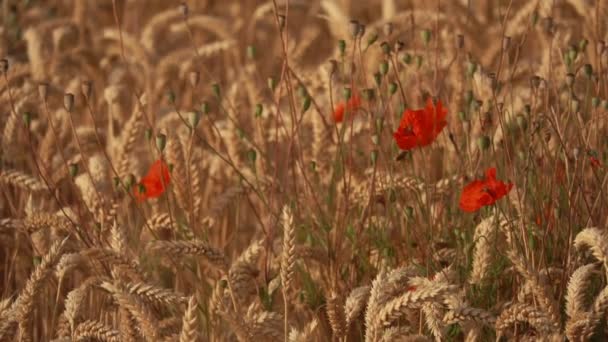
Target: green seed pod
(258, 110)
(216, 90)
(483, 142)
(595, 102)
(372, 38)
(272, 83)
(194, 77)
(302, 92)
(604, 104)
(73, 169)
(240, 133)
(383, 68)
(392, 88)
(374, 157)
(572, 53)
(342, 46)
(68, 102)
(313, 166)
(522, 122)
(369, 94)
(534, 18)
(27, 119)
(419, 61)
(148, 133)
(378, 79)
(251, 52)
(306, 104)
(346, 93)
(375, 139)
(379, 125)
(281, 21)
(386, 48)
(141, 188)
(528, 109)
(161, 141)
(471, 68)
(462, 116)
(567, 60)
(205, 108)
(409, 212)
(252, 155)
(171, 96)
(3, 65)
(575, 105)
(354, 28)
(582, 45)
(460, 41)
(588, 69)
(129, 181)
(426, 36)
(570, 78)
(407, 58)
(194, 118)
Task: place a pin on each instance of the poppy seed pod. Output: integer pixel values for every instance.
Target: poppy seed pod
(371, 38)
(570, 78)
(129, 180)
(194, 78)
(306, 104)
(205, 108)
(73, 169)
(148, 133)
(460, 41)
(251, 52)
(399, 45)
(383, 68)
(259, 109)
(506, 43)
(171, 96)
(216, 90)
(183, 9)
(342, 46)
(595, 102)
(43, 90)
(354, 28)
(347, 93)
(548, 25)
(588, 69)
(599, 47)
(272, 83)
(68, 101)
(194, 118)
(392, 88)
(388, 28)
(332, 67)
(281, 19)
(582, 45)
(27, 119)
(534, 81)
(386, 48)
(369, 94)
(418, 61)
(161, 141)
(484, 142)
(86, 87)
(362, 29)
(252, 155)
(426, 36)
(4, 65)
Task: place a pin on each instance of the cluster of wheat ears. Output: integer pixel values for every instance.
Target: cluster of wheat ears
(277, 221)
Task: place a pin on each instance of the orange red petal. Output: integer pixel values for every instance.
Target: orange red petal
(480, 193)
(420, 127)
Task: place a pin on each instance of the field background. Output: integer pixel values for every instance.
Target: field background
(278, 222)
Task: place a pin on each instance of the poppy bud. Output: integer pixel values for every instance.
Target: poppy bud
(374, 156)
(426, 36)
(418, 61)
(342, 46)
(161, 141)
(251, 52)
(522, 122)
(205, 108)
(369, 94)
(86, 88)
(375, 139)
(354, 28)
(148, 133)
(183, 8)
(371, 38)
(272, 83)
(471, 68)
(459, 41)
(73, 169)
(141, 188)
(378, 78)
(43, 89)
(216, 90)
(575, 105)
(534, 18)
(588, 69)
(572, 53)
(194, 118)
(27, 119)
(281, 22)
(595, 102)
(306, 104)
(462, 116)
(379, 125)
(582, 45)
(599, 47)
(347, 93)
(399, 45)
(392, 88)
(313, 166)
(383, 68)
(194, 77)
(407, 58)
(506, 43)
(483, 142)
(68, 101)
(129, 180)
(570, 79)
(302, 91)
(388, 28)
(258, 110)
(386, 48)
(409, 211)
(171, 96)
(4, 65)
(252, 155)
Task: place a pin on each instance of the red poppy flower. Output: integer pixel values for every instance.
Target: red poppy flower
(595, 163)
(485, 192)
(154, 183)
(420, 127)
(351, 105)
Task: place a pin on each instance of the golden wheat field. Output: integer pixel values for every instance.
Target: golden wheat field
(304, 170)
